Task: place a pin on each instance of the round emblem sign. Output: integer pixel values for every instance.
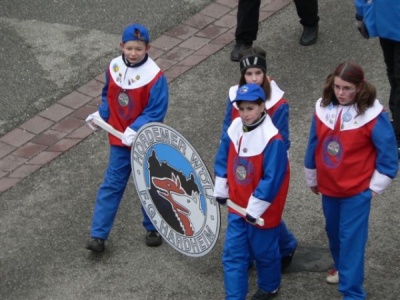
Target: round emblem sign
(175, 188)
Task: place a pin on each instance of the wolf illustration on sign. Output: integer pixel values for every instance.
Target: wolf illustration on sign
(175, 188)
(182, 203)
(166, 183)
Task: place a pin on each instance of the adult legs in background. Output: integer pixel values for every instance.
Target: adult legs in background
(391, 55)
(247, 26)
(307, 10)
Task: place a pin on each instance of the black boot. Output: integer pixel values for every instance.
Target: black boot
(153, 238)
(262, 295)
(309, 36)
(240, 46)
(286, 261)
(96, 245)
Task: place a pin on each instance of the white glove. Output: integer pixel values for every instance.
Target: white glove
(128, 136)
(89, 120)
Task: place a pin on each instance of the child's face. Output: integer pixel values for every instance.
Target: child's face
(134, 51)
(250, 112)
(345, 91)
(254, 75)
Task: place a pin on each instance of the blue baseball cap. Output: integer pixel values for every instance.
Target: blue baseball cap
(250, 92)
(135, 32)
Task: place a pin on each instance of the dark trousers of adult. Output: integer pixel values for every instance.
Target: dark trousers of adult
(391, 55)
(249, 12)
(307, 10)
(247, 21)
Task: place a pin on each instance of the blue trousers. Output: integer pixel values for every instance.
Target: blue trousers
(347, 229)
(243, 240)
(111, 191)
(287, 241)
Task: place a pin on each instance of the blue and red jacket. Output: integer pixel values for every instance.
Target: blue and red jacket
(348, 153)
(381, 17)
(255, 168)
(133, 96)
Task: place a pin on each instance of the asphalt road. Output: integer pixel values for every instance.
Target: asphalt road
(48, 49)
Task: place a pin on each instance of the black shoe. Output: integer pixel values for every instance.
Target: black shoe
(237, 49)
(96, 245)
(261, 295)
(153, 238)
(287, 260)
(309, 36)
(252, 265)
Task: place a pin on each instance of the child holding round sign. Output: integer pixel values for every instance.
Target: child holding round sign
(251, 168)
(253, 69)
(135, 94)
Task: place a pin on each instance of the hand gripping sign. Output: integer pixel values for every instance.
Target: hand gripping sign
(175, 188)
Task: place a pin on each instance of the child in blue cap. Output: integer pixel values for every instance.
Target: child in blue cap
(253, 69)
(251, 169)
(135, 93)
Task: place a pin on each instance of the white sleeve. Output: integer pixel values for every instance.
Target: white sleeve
(256, 207)
(221, 188)
(311, 177)
(379, 182)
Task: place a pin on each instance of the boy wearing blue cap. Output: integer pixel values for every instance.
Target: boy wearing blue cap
(135, 93)
(253, 69)
(251, 169)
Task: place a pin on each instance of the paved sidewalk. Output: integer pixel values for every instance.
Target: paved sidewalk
(60, 127)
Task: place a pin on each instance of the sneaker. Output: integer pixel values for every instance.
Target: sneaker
(309, 36)
(262, 295)
(239, 47)
(96, 245)
(287, 260)
(153, 238)
(333, 277)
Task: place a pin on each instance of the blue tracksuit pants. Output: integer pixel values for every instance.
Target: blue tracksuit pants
(242, 240)
(111, 191)
(287, 241)
(347, 229)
